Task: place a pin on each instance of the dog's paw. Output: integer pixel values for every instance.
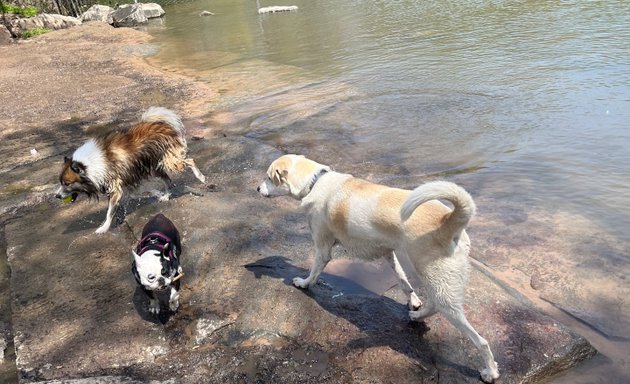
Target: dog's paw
(300, 283)
(173, 305)
(102, 229)
(414, 302)
(154, 307)
(488, 375)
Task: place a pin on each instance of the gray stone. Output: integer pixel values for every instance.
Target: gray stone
(5, 36)
(98, 12)
(152, 10)
(129, 15)
(277, 8)
(49, 21)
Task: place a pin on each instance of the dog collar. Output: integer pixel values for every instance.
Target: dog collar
(314, 181)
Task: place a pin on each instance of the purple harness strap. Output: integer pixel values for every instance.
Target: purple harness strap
(155, 240)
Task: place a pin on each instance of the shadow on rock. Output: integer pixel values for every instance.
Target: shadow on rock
(383, 321)
(141, 304)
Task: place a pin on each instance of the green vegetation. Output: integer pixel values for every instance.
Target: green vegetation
(28, 11)
(32, 32)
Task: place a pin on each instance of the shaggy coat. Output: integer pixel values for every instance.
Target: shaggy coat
(123, 158)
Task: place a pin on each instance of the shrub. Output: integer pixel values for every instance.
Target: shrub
(32, 32)
(22, 11)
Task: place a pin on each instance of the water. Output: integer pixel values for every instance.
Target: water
(526, 103)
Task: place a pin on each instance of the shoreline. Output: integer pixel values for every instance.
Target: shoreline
(52, 112)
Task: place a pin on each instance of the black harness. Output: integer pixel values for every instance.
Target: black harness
(157, 241)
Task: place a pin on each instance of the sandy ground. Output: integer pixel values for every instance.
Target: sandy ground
(73, 309)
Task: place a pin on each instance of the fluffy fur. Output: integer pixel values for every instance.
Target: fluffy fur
(373, 221)
(123, 158)
(158, 262)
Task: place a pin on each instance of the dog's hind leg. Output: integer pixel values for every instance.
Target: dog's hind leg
(168, 184)
(414, 301)
(324, 246)
(455, 316)
(114, 199)
(191, 164)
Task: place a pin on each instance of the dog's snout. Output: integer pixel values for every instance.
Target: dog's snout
(258, 189)
(151, 277)
(161, 281)
(58, 195)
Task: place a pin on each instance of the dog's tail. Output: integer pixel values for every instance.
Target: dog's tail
(457, 220)
(164, 115)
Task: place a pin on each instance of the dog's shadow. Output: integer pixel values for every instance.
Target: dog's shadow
(141, 304)
(384, 321)
(130, 204)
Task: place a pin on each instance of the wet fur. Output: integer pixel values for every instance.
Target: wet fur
(372, 221)
(123, 158)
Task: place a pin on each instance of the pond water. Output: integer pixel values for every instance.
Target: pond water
(525, 103)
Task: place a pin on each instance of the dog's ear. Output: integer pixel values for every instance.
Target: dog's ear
(135, 256)
(279, 176)
(166, 250)
(77, 167)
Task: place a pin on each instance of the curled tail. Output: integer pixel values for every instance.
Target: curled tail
(164, 115)
(457, 220)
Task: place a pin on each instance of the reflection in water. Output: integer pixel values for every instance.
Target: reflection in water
(526, 104)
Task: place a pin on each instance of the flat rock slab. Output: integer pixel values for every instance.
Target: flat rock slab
(78, 313)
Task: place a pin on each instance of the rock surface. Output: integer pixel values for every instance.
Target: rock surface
(49, 21)
(130, 15)
(5, 36)
(98, 12)
(77, 312)
(277, 8)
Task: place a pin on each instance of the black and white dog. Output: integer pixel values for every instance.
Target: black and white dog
(156, 261)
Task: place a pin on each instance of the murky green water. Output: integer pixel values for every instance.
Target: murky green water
(526, 103)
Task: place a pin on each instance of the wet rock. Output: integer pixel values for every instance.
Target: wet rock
(277, 8)
(206, 327)
(98, 12)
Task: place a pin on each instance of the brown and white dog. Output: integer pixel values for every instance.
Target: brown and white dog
(373, 221)
(123, 158)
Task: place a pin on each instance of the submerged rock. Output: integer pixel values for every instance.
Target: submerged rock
(278, 8)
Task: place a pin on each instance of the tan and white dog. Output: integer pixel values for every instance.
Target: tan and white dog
(373, 221)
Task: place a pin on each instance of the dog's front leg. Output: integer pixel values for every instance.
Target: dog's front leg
(154, 303)
(114, 198)
(173, 302)
(324, 246)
